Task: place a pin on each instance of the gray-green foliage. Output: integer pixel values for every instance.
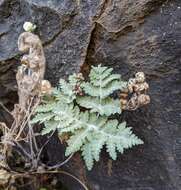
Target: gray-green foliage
(102, 84)
(89, 130)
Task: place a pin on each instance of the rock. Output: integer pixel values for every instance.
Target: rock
(129, 36)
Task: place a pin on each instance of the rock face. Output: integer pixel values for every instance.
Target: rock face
(130, 36)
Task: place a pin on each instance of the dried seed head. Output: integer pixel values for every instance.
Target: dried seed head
(46, 87)
(80, 76)
(123, 103)
(131, 84)
(35, 77)
(24, 60)
(131, 81)
(29, 27)
(137, 87)
(132, 103)
(141, 87)
(143, 99)
(140, 77)
(22, 69)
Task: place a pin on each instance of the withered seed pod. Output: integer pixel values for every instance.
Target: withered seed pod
(80, 76)
(123, 103)
(24, 60)
(140, 77)
(141, 87)
(132, 103)
(143, 99)
(131, 84)
(46, 87)
(137, 88)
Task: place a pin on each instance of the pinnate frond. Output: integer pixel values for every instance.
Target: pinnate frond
(107, 106)
(89, 129)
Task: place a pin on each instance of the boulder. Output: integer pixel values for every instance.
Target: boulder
(130, 36)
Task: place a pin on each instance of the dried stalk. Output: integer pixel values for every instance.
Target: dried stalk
(31, 86)
(29, 79)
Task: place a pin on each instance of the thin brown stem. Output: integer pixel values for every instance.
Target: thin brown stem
(5, 108)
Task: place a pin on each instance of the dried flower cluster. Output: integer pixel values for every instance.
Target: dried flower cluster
(137, 87)
(29, 27)
(31, 86)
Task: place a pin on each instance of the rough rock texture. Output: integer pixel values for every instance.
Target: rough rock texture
(129, 35)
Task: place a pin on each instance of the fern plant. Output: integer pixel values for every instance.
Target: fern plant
(102, 84)
(90, 128)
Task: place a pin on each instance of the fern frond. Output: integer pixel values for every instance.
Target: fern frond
(89, 131)
(66, 92)
(73, 80)
(49, 127)
(109, 132)
(97, 145)
(42, 117)
(45, 107)
(107, 106)
(102, 92)
(68, 118)
(102, 82)
(76, 141)
(102, 76)
(88, 155)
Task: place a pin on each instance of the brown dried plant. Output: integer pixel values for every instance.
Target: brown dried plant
(31, 87)
(137, 88)
(29, 78)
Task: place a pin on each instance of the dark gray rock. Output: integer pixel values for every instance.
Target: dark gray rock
(129, 36)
